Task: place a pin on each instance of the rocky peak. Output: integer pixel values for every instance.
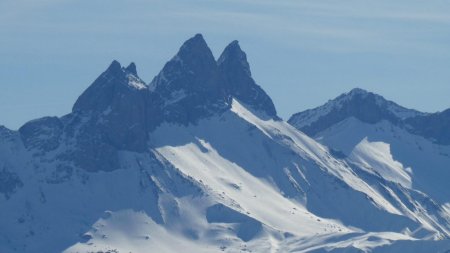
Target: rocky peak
(362, 96)
(118, 110)
(358, 103)
(434, 126)
(233, 58)
(113, 110)
(132, 69)
(113, 83)
(189, 86)
(194, 62)
(114, 67)
(234, 68)
(357, 92)
(195, 55)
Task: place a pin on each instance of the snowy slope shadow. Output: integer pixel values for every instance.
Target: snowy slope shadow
(247, 228)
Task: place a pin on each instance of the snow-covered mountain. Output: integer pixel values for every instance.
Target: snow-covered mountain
(198, 161)
(400, 145)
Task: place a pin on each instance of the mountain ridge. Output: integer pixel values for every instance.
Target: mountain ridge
(123, 108)
(372, 108)
(196, 160)
(412, 151)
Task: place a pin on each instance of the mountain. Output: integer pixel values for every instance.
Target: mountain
(401, 145)
(433, 126)
(198, 161)
(365, 106)
(236, 71)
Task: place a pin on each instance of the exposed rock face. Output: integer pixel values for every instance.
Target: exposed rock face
(363, 105)
(189, 86)
(116, 104)
(6, 133)
(88, 144)
(118, 110)
(109, 116)
(435, 126)
(43, 134)
(372, 108)
(193, 85)
(235, 69)
(9, 182)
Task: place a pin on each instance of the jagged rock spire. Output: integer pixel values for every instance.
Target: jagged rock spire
(195, 55)
(234, 58)
(194, 60)
(239, 83)
(116, 102)
(114, 67)
(101, 93)
(132, 69)
(189, 86)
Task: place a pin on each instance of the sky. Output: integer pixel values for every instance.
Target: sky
(302, 53)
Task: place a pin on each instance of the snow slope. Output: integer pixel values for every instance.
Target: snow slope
(385, 146)
(393, 152)
(197, 190)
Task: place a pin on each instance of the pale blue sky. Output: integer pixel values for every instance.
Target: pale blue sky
(301, 52)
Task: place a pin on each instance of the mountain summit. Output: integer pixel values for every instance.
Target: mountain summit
(115, 83)
(239, 82)
(193, 85)
(358, 103)
(189, 86)
(372, 108)
(118, 110)
(403, 145)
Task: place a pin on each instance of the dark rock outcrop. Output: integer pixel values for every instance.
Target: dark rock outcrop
(434, 126)
(189, 86)
(118, 110)
(9, 182)
(372, 108)
(116, 105)
(363, 105)
(88, 144)
(239, 83)
(43, 134)
(6, 133)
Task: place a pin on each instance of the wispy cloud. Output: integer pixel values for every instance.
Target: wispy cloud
(346, 25)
